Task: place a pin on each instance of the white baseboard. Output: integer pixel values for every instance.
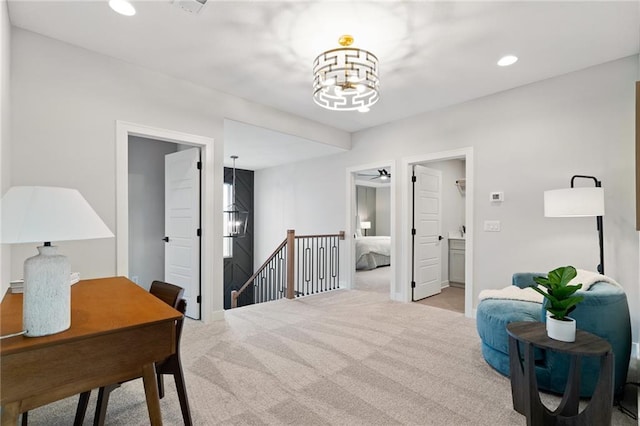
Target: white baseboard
(444, 284)
(215, 316)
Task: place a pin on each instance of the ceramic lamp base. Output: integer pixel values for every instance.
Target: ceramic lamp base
(47, 293)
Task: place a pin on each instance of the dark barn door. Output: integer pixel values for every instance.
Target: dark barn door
(239, 267)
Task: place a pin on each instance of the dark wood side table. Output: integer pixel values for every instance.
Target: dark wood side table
(524, 386)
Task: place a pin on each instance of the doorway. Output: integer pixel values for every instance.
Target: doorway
(208, 304)
(457, 226)
(370, 229)
(444, 284)
(164, 216)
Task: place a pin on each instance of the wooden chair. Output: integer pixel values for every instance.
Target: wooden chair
(171, 295)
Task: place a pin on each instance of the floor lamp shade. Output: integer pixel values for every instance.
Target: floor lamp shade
(45, 214)
(574, 202)
(579, 202)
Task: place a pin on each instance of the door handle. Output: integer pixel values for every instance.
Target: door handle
(165, 239)
(439, 237)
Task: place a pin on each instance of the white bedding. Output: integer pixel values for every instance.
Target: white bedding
(372, 252)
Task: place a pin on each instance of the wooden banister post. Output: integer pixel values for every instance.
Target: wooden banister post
(341, 237)
(291, 256)
(234, 299)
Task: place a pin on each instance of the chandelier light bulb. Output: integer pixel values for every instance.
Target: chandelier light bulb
(329, 82)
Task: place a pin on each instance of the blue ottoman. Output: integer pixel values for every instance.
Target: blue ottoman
(604, 312)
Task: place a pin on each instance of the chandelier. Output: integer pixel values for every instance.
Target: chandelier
(235, 220)
(346, 78)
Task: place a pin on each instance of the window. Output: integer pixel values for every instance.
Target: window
(227, 245)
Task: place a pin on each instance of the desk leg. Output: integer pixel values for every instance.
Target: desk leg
(10, 413)
(151, 392)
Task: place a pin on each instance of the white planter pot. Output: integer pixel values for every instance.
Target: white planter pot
(565, 331)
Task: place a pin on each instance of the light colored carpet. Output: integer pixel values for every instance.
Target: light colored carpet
(339, 358)
(377, 280)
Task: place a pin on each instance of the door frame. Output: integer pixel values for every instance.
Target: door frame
(404, 254)
(350, 247)
(207, 194)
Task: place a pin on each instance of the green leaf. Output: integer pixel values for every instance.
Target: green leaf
(563, 292)
(560, 295)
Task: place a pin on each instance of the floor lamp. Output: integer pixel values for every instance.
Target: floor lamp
(578, 202)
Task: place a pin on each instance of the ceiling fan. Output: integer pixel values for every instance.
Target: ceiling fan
(383, 175)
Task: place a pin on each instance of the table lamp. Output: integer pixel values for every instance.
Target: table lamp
(44, 214)
(365, 225)
(578, 202)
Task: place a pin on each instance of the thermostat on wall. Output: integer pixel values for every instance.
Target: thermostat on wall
(496, 196)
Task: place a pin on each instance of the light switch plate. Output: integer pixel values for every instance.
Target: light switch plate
(492, 225)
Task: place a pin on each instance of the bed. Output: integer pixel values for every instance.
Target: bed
(372, 252)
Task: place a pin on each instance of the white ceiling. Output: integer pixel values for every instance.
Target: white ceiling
(259, 148)
(432, 53)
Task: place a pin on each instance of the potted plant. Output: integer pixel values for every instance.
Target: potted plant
(561, 300)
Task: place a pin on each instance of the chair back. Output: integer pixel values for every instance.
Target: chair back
(182, 308)
(172, 295)
(168, 293)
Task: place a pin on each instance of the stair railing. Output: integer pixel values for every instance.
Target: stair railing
(292, 270)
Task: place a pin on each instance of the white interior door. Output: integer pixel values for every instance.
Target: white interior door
(427, 210)
(181, 224)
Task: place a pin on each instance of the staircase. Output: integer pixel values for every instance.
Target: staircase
(301, 265)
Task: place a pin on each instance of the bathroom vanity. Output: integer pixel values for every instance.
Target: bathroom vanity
(456, 259)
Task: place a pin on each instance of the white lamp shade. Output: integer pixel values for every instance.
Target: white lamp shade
(365, 225)
(574, 202)
(32, 214)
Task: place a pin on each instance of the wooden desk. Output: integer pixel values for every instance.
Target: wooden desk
(524, 387)
(118, 330)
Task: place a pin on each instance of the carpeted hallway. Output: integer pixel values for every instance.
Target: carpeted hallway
(343, 357)
(377, 280)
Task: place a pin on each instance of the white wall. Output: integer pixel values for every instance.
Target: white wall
(452, 205)
(146, 209)
(383, 211)
(525, 141)
(5, 148)
(65, 102)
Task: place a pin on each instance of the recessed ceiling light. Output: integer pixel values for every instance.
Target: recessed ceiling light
(123, 7)
(505, 61)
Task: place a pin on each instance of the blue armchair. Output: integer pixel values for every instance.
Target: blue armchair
(603, 312)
